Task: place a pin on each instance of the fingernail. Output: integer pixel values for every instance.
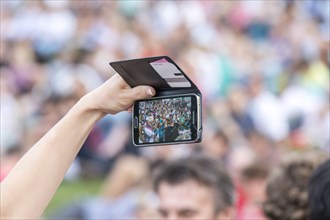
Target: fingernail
(151, 92)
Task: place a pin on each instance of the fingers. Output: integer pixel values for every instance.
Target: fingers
(117, 80)
(142, 92)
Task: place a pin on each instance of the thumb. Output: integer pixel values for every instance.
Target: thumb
(142, 92)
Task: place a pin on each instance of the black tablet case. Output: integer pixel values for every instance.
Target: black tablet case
(140, 72)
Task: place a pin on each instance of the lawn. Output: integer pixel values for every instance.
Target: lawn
(70, 191)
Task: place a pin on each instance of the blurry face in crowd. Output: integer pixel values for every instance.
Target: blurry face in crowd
(187, 200)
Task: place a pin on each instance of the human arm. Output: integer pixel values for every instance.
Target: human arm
(28, 188)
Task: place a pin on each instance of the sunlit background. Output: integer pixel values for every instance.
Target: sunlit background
(262, 67)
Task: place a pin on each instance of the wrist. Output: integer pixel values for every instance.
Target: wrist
(85, 107)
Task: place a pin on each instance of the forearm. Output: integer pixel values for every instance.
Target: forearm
(30, 185)
(27, 190)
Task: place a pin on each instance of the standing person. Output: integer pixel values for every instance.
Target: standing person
(196, 187)
(182, 121)
(149, 131)
(28, 188)
(171, 131)
(161, 129)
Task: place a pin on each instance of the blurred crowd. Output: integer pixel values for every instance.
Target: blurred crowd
(262, 67)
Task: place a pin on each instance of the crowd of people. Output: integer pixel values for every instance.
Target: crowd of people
(262, 67)
(165, 120)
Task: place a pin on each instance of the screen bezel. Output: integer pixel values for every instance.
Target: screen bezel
(195, 127)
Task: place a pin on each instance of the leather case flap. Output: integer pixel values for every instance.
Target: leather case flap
(160, 72)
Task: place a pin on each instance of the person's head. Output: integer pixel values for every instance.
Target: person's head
(253, 181)
(216, 145)
(196, 187)
(319, 193)
(287, 196)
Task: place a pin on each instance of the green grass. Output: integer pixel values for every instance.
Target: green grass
(70, 191)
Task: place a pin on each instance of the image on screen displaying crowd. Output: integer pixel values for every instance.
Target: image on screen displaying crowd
(165, 120)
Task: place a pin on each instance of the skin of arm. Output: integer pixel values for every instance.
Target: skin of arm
(29, 187)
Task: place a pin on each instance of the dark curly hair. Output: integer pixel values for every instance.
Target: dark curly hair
(287, 196)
